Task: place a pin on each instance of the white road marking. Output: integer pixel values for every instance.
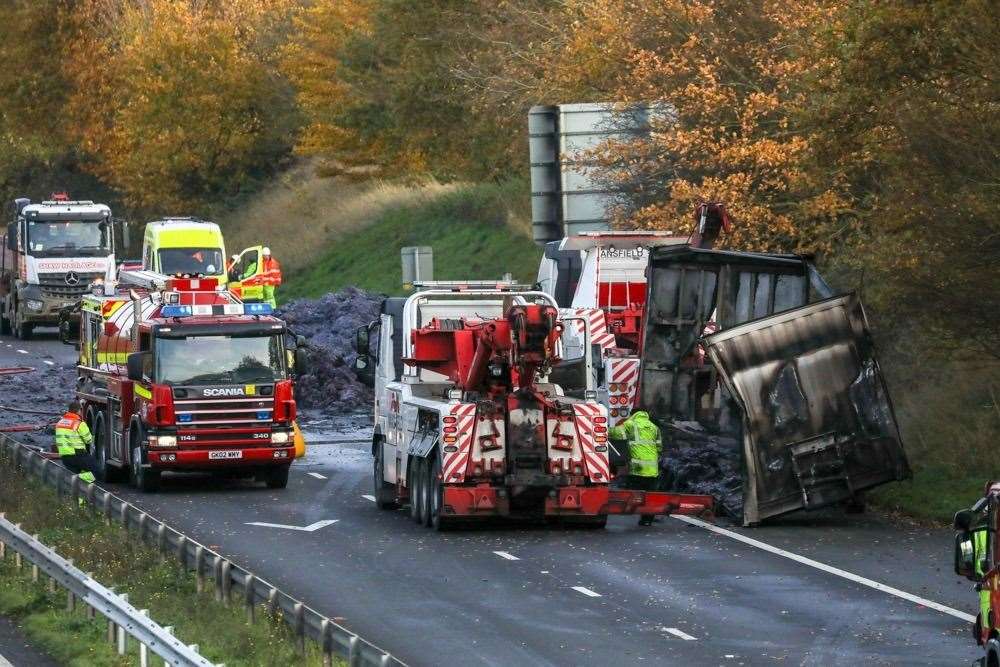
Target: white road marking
(850, 576)
(508, 556)
(586, 591)
(50, 363)
(22, 351)
(367, 497)
(3, 661)
(316, 475)
(306, 529)
(679, 633)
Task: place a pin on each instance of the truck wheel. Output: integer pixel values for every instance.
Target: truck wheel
(438, 522)
(144, 479)
(22, 330)
(416, 488)
(385, 494)
(100, 450)
(277, 478)
(426, 491)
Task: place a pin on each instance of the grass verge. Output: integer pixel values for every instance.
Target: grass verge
(934, 494)
(477, 232)
(117, 559)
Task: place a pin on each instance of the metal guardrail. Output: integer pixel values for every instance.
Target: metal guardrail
(232, 583)
(122, 617)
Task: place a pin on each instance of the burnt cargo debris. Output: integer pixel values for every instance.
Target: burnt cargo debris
(328, 324)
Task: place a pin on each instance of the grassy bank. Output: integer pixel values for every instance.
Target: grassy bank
(118, 560)
(477, 232)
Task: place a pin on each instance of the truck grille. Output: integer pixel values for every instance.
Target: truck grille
(54, 284)
(222, 412)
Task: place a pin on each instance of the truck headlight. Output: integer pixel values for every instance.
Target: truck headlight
(279, 437)
(163, 441)
(34, 304)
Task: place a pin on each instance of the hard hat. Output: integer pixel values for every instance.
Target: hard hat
(267, 251)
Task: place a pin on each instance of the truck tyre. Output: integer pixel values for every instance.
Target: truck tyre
(426, 491)
(100, 450)
(277, 478)
(22, 330)
(416, 486)
(144, 479)
(385, 494)
(438, 522)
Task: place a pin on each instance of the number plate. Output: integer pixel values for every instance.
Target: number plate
(227, 454)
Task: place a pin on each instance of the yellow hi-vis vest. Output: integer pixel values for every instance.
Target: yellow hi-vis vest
(72, 435)
(979, 553)
(643, 444)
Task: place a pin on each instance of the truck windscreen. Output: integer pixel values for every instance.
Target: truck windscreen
(68, 238)
(204, 261)
(219, 360)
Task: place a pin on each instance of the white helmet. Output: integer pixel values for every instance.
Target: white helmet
(266, 251)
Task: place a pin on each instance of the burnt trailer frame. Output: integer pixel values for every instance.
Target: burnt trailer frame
(806, 396)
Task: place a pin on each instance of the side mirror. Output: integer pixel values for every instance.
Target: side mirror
(136, 363)
(12, 237)
(963, 520)
(300, 341)
(301, 361)
(968, 556)
(365, 370)
(361, 341)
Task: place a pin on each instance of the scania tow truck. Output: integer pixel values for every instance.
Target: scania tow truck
(179, 375)
(468, 424)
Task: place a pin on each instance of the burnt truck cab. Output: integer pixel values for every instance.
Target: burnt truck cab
(189, 383)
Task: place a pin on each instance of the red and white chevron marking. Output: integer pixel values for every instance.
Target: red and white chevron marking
(596, 462)
(625, 370)
(599, 334)
(455, 463)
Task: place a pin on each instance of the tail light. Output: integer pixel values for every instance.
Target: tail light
(161, 412)
(284, 403)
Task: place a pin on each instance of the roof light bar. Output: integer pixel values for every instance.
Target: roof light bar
(223, 309)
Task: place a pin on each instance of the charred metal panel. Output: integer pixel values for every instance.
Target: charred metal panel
(818, 422)
(689, 287)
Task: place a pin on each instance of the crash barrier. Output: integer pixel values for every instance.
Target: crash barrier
(124, 620)
(232, 583)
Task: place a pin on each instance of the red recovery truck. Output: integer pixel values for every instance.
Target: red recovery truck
(468, 424)
(179, 375)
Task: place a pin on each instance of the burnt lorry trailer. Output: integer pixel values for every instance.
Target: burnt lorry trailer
(755, 349)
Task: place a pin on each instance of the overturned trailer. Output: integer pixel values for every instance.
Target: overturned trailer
(755, 348)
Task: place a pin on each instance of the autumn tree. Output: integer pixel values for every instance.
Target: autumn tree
(180, 103)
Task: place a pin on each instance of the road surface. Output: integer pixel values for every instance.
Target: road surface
(812, 589)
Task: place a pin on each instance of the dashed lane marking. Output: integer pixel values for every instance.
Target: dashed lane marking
(508, 556)
(367, 497)
(22, 351)
(586, 591)
(850, 576)
(680, 633)
(316, 475)
(50, 363)
(313, 527)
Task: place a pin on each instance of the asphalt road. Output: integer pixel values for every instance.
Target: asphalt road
(674, 593)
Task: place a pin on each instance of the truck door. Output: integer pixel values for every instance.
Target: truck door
(818, 421)
(245, 275)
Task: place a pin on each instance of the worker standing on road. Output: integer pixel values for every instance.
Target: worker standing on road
(72, 439)
(271, 274)
(644, 448)
(230, 266)
(980, 541)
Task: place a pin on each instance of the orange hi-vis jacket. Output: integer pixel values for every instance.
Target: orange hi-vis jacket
(271, 273)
